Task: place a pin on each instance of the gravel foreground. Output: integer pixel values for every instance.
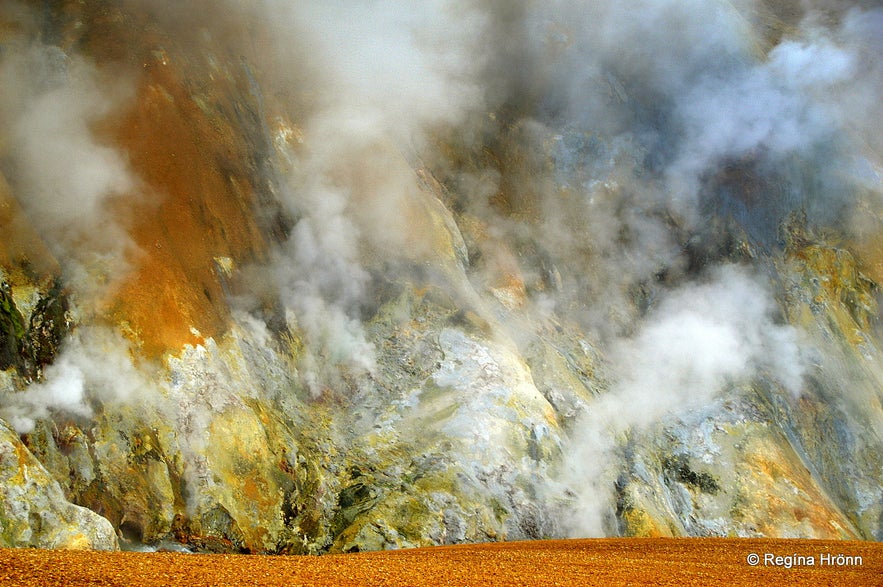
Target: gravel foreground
(729, 562)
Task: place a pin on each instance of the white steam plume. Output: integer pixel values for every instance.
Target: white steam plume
(385, 74)
(644, 101)
(67, 180)
(644, 105)
(94, 367)
(64, 177)
(689, 81)
(696, 346)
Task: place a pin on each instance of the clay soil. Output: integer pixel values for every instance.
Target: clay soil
(569, 562)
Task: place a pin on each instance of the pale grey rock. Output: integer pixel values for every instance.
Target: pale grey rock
(33, 508)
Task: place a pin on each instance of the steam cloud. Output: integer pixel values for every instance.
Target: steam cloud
(386, 75)
(645, 103)
(68, 181)
(94, 368)
(702, 340)
(66, 176)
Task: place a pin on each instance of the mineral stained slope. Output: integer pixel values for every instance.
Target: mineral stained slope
(272, 283)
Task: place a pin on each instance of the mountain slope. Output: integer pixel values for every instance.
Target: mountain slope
(317, 278)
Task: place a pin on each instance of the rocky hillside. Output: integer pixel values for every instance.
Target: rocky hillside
(308, 277)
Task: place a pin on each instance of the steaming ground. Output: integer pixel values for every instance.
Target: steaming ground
(72, 186)
(694, 348)
(600, 138)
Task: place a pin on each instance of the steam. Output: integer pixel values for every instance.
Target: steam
(94, 368)
(649, 102)
(695, 347)
(65, 177)
(783, 107)
(383, 70)
(70, 184)
(642, 109)
(646, 106)
(386, 75)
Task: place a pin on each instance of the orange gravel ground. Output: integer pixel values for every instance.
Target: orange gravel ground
(562, 562)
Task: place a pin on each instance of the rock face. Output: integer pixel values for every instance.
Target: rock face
(285, 292)
(35, 511)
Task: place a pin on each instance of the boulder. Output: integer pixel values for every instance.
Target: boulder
(33, 508)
